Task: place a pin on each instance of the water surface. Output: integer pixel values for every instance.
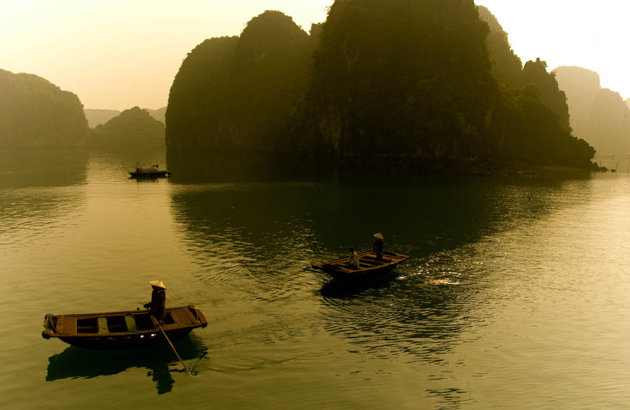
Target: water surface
(514, 296)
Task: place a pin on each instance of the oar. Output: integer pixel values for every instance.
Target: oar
(169, 342)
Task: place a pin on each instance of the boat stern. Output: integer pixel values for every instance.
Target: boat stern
(198, 315)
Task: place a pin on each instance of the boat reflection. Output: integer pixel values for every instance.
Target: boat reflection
(77, 363)
(340, 288)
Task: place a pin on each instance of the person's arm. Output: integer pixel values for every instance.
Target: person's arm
(148, 305)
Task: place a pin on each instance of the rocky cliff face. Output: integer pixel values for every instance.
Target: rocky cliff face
(506, 65)
(238, 93)
(36, 113)
(380, 80)
(396, 78)
(598, 115)
(508, 68)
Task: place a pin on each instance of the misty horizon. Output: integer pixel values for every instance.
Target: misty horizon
(72, 44)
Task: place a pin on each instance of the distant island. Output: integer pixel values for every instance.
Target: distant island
(431, 85)
(101, 116)
(598, 115)
(132, 128)
(35, 113)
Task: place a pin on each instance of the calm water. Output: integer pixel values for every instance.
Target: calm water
(515, 295)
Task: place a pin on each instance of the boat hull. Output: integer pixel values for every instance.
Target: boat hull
(118, 342)
(149, 175)
(122, 330)
(364, 274)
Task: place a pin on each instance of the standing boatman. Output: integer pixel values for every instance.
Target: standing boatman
(157, 306)
(378, 245)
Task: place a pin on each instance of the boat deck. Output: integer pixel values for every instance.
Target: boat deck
(120, 328)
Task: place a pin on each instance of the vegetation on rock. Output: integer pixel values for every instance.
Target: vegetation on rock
(384, 80)
(237, 93)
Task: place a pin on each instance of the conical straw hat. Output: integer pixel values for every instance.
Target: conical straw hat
(379, 236)
(157, 283)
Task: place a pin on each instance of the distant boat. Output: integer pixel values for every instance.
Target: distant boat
(369, 265)
(122, 330)
(149, 172)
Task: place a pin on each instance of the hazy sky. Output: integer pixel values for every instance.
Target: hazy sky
(592, 34)
(121, 53)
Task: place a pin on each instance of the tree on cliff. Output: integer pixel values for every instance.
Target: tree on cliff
(36, 113)
(237, 93)
(535, 72)
(134, 127)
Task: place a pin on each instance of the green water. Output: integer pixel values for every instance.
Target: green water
(515, 295)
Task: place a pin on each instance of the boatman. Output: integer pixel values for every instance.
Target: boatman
(157, 306)
(378, 245)
(354, 258)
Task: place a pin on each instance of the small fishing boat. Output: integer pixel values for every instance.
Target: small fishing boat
(369, 265)
(122, 330)
(149, 172)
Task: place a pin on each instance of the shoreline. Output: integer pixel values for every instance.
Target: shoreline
(189, 164)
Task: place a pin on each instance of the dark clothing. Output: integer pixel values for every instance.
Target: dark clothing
(378, 248)
(157, 306)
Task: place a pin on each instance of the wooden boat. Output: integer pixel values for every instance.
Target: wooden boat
(122, 330)
(149, 172)
(369, 265)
